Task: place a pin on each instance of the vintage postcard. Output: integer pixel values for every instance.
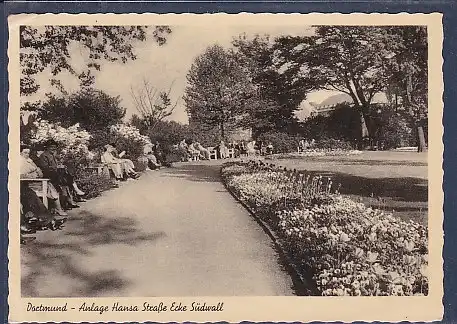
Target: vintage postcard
(217, 167)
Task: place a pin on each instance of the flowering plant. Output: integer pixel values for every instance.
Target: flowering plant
(317, 152)
(129, 139)
(73, 141)
(346, 247)
(129, 132)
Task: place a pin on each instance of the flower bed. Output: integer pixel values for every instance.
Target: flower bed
(347, 248)
(315, 152)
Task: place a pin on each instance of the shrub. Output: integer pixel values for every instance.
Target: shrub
(128, 138)
(333, 144)
(282, 142)
(93, 184)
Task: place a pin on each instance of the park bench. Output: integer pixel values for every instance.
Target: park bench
(99, 169)
(212, 153)
(195, 156)
(43, 192)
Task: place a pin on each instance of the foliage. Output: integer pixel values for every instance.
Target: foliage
(94, 110)
(218, 90)
(128, 138)
(354, 63)
(282, 142)
(278, 95)
(49, 47)
(315, 152)
(72, 141)
(347, 248)
(409, 77)
(333, 144)
(152, 104)
(93, 184)
(168, 133)
(342, 123)
(392, 128)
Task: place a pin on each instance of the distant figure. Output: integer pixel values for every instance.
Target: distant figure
(250, 148)
(270, 148)
(223, 150)
(183, 150)
(203, 151)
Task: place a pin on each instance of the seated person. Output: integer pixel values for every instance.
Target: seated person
(29, 170)
(160, 154)
(47, 162)
(34, 209)
(184, 150)
(203, 151)
(193, 151)
(126, 164)
(112, 162)
(152, 162)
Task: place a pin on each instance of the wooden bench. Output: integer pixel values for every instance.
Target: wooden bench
(100, 169)
(43, 193)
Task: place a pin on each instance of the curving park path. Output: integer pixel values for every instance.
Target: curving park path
(173, 232)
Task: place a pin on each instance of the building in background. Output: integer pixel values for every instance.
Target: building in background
(326, 107)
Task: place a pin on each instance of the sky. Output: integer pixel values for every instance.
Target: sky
(168, 65)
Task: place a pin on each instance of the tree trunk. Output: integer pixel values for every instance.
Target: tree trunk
(222, 131)
(421, 145)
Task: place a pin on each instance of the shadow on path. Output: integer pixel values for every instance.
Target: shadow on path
(58, 258)
(195, 172)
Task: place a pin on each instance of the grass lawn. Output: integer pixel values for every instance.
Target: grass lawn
(392, 181)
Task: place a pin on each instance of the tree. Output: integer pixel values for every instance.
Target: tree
(218, 91)
(278, 95)
(49, 47)
(347, 59)
(94, 110)
(152, 104)
(409, 76)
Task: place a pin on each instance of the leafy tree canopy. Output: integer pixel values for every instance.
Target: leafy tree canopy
(94, 110)
(218, 91)
(49, 47)
(278, 93)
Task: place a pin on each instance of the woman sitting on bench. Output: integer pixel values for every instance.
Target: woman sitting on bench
(32, 208)
(29, 170)
(126, 164)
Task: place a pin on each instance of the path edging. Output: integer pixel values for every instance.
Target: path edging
(298, 279)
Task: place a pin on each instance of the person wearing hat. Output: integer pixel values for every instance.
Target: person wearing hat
(128, 167)
(48, 164)
(112, 162)
(31, 204)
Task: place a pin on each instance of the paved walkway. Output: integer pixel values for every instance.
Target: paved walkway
(173, 232)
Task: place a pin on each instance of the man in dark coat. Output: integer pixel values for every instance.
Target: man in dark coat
(48, 164)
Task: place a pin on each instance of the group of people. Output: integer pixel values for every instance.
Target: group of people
(304, 144)
(40, 162)
(194, 150)
(63, 193)
(122, 168)
(189, 150)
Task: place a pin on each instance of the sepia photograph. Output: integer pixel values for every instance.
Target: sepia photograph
(161, 160)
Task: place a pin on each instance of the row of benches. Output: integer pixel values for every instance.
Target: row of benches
(101, 169)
